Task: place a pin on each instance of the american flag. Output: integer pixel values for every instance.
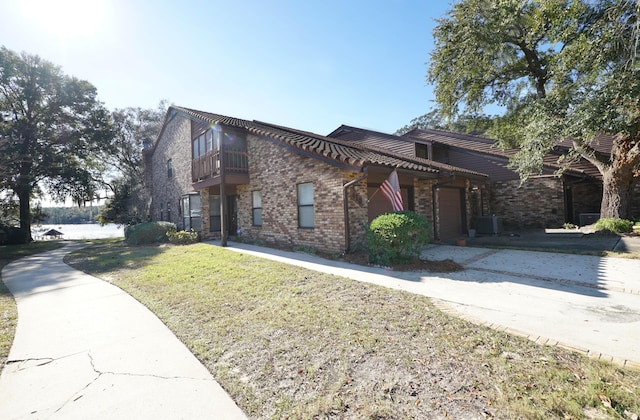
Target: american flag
(391, 189)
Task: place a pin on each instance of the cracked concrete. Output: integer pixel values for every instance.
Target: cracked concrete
(85, 349)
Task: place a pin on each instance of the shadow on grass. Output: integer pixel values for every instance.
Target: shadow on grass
(108, 255)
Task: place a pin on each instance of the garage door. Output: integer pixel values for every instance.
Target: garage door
(450, 212)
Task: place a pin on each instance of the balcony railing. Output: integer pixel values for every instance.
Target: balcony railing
(208, 165)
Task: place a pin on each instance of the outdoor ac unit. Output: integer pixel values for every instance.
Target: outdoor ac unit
(491, 225)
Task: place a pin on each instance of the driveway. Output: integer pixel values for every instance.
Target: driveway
(586, 303)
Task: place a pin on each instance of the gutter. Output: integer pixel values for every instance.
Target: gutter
(345, 199)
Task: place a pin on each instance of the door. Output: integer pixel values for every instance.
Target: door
(450, 205)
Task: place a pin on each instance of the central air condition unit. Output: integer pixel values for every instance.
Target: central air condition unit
(491, 225)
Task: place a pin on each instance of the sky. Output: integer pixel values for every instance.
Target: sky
(308, 64)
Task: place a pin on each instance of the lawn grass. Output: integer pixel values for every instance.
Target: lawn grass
(287, 342)
(8, 309)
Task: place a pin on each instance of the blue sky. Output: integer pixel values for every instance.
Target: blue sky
(307, 64)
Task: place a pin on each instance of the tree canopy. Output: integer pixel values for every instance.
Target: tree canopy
(563, 69)
(52, 132)
(129, 202)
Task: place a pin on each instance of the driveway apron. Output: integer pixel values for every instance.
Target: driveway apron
(85, 349)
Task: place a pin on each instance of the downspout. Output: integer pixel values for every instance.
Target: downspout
(223, 196)
(345, 199)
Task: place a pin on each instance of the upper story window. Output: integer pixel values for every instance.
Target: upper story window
(256, 207)
(305, 205)
(169, 169)
(204, 143)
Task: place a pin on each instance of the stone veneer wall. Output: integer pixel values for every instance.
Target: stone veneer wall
(175, 144)
(276, 170)
(539, 202)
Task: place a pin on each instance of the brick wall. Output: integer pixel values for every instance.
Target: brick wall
(276, 170)
(539, 202)
(175, 144)
(423, 199)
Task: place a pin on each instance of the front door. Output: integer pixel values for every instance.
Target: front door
(450, 203)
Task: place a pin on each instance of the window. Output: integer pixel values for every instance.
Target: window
(256, 206)
(209, 141)
(161, 213)
(169, 169)
(305, 205)
(168, 211)
(196, 149)
(214, 213)
(191, 210)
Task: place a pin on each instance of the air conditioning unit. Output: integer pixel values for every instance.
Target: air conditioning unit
(491, 225)
(588, 218)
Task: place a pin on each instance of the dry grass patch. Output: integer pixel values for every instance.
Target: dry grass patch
(287, 342)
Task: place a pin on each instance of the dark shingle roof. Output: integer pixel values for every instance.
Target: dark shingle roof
(333, 149)
(486, 146)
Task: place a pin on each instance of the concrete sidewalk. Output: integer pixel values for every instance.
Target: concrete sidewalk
(585, 303)
(84, 349)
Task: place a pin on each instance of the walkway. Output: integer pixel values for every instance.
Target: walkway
(84, 349)
(585, 303)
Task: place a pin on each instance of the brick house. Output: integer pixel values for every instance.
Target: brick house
(225, 176)
(545, 200)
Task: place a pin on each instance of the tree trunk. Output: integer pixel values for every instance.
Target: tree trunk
(617, 188)
(24, 196)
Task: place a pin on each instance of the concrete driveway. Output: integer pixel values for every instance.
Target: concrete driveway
(586, 303)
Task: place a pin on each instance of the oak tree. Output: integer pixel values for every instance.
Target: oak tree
(52, 131)
(565, 69)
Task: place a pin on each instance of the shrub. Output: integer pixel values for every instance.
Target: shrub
(396, 238)
(147, 233)
(614, 225)
(10, 235)
(182, 237)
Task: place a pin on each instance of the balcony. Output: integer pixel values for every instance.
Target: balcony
(207, 166)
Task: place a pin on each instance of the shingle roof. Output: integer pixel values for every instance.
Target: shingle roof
(330, 148)
(487, 146)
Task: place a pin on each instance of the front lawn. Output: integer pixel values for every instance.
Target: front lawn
(287, 342)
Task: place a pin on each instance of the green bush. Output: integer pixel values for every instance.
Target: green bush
(396, 238)
(182, 237)
(10, 235)
(147, 233)
(614, 225)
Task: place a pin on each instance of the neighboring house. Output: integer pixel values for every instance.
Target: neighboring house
(225, 176)
(545, 200)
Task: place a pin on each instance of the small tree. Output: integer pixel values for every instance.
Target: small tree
(398, 237)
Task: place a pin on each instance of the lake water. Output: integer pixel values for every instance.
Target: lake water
(84, 231)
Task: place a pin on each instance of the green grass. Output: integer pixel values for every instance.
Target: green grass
(8, 309)
(287, 342)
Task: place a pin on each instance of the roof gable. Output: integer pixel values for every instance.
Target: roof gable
(334, 150)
